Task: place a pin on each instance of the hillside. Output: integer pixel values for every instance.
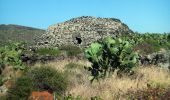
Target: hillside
(82, 31)
(10, 33)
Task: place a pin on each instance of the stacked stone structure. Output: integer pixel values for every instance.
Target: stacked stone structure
(82, 31)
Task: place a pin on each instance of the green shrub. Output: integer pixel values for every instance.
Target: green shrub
(71, 50)
(21, 90)
(10, 55)
(109, 55)
(48, 51)
(3, 79)
(149, 42)
(47, 78)
(145, 48)
(168, 37)
(38, 79)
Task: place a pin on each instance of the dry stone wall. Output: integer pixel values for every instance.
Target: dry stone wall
(82, 31)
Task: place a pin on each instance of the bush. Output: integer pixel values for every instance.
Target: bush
(150, 42)
(21, 90)
(149, 46)
(109, 55)
(38, 79)
(48, 51)
(10, 55)
(3, 79)
(47, 78)
(71, 50)
(168, 37)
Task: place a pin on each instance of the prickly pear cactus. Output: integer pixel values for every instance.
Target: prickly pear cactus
(108, 55)
(10, 55)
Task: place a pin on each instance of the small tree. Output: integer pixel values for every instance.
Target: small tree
(108, 55)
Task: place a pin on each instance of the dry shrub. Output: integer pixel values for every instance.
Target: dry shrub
(114, 87)
(60, 65)
(151, 93)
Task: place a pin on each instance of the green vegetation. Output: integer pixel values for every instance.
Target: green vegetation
(109, 55)
(48, 51)
(42, 78)
(3, 79)
(21, 90)
(10, 55)
(149, 42)
(71, 50)
(47, 78)
(72, 65)
(106, 56)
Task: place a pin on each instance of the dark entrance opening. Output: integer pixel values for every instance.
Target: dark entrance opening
(45, 42)
(78, 39)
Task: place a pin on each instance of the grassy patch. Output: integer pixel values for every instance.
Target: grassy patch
(48, 51)
(71, 50)
(151, 93)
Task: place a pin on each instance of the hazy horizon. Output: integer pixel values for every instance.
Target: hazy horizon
(141, 16)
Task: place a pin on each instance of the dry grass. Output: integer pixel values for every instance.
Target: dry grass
(112, 88)
(59, 65)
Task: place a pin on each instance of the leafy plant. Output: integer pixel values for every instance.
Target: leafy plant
(108, 55)
(10, 55)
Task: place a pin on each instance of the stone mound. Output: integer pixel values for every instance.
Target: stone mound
(82, 31)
